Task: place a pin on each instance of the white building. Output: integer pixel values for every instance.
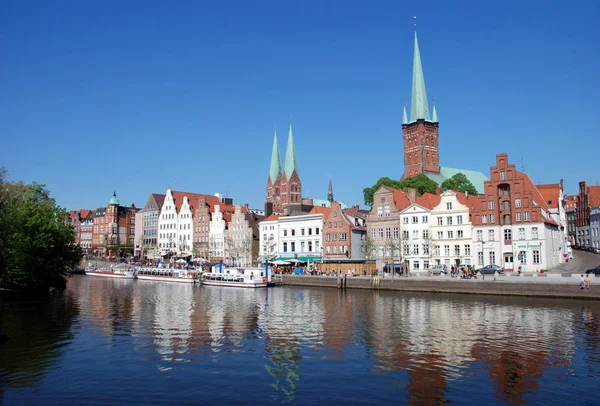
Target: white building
(269, 238)
(555, 198)
(185, 230)
(167, 225)
(415, 241)
(239, 237)
(216, 236)
(451, 228)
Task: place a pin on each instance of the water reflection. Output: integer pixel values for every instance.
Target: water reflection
(292, 344)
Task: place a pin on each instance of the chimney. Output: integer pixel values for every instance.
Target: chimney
(412, 195)
(466, 194)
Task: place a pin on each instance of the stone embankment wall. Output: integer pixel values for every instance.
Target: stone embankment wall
(569, 289)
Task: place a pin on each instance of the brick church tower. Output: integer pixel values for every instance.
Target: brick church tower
(420, 134)
(284, 188)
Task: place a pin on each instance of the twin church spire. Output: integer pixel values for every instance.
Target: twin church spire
(284, 189)
(290, 166)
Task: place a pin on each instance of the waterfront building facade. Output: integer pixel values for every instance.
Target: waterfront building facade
(241, 237)
(450, 230)
(86, 231)
(114, 229)
(345, 234)
(148, 243)
(414, 246)
(216, 238)
(269, 238)
(300, 236)
(555, 197)
(512, 224)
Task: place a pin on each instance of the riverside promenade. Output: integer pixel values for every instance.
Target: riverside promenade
(554, 285)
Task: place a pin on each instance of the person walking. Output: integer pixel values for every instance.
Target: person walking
(582, 282)
(588, 281)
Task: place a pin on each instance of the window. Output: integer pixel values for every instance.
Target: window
(310, 231)
(415, 234)
(317, 231)
(416, 249)
(450, 234)
(480, 258)
(373, 234)
(310, 246)
(415, 264)
(344, 236)
(396, 233)
(379, 213)
(534, 233)
(479, 235)
(424, 219)
(457, 250)
(449, 220)
(517, 202)
(327, 237)
(426, 264)
(484, 219)
(404, 220)
(492, 257)
(387, 211)
(285, 233)
(519, 216)
(285, 247)
(425, 249)
(526, 216)
(440, 222)
(334, 224)
(380, 233)
(460, 234)
(317, 245)
(491, 235)
(406, 250)
(536, 257)
(440, 235)
(301, 231)
(388, 233)
(447, 250)
(302, 246)
(502, 175)
(491, 204)
(436, 250)
(507, 235)
(415, 219)
(425, 234)
(459, 220)
(522, 257)
(293, 246)
(293, 232)
(467, 250)
(448, 206)
(405, 235)
(492, 219)
(328, 249)
(521, 233)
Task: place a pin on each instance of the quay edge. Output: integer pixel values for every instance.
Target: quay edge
(568, 290)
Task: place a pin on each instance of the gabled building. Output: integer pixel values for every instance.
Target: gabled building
(345, 234)
(114, 229)
(415, 238)
(421, 135)
(512, 224)
(148, 241)
(450, 229)
(216, 238)
(383, 224)
(555, 197)
(241, 237)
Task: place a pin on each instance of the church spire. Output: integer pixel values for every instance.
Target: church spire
(434, 117)
(330, 192)
(290, 156)
(418, 106)
(404, 116)
(275, 169)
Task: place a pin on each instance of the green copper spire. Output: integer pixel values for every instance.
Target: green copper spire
(418, 106)
(434, 117)
(290, 156)
(114, 200)
(275, 169)
(404, 116)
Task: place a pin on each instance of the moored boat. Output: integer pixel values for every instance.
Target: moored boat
(167, 275)
(116, 272)
(236, 277)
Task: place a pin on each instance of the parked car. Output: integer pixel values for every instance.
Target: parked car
(490, 270)
(595, 271)
(438, 269)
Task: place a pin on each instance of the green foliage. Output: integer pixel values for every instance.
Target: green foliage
(37, 246)
(421, 183)
(369, 191)
(459, 183)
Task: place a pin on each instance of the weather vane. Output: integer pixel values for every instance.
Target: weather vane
(415, 22)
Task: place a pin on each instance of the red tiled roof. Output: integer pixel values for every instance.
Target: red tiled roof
(401, 199)
(192, 198)
(320, 210)
(227, 217)
(472, 202)
(428, 200)
(594, 196)
(537, 196)
(83, 213)
(272, 217)
(550, 193)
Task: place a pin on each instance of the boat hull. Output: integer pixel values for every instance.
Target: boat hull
(126, 275)
(166, 279)
(235, 284)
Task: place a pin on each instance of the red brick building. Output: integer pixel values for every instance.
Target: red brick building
(114, 229)
(284, 187)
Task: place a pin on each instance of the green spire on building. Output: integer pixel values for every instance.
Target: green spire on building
(418, 106)
(290, 156)
(434, 117)
(114, 200)
(275, 169)
(404, 116)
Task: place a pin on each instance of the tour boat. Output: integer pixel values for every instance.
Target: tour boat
(116, 272)
(167, 275)
(236, 277)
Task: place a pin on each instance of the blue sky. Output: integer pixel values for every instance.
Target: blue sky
(134, 96)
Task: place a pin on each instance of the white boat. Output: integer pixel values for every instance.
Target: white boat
(116, 272)
(236, 277)
(167, 275)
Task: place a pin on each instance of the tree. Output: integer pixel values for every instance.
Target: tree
(37, 245)
(369, 191)
(368, 248)
(421, 183)
(459, 183)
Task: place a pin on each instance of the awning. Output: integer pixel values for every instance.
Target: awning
(301, 259)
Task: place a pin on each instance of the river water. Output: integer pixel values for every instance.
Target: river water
(106, 341)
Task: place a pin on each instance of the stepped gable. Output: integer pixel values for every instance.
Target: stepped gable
(192, 199)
